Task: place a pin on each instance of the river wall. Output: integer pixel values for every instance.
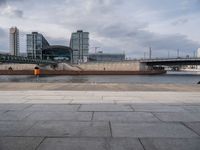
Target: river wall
(114, 66)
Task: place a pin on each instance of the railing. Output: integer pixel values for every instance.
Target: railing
(20, 59)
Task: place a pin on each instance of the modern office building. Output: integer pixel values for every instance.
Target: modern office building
(79, 42)
(14, 41)
(198, 53)
(106, 57)
(35, 43)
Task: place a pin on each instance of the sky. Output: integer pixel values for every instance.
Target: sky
(116, 26)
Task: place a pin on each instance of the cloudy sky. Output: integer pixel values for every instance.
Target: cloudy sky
(130, 26)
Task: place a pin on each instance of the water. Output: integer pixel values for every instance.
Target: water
(169, 78)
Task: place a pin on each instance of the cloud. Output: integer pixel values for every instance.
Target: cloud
(3, 40)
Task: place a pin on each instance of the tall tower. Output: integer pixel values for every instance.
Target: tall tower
(198, 53)
(14, 41)
(79, 42)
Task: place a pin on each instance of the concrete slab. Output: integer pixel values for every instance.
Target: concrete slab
(173, 130)
(125, 117)
(70, 129)
(19, 143)
(157, 108)
(44, 97)
(125, 144)
(15, 128)
(73, 144)
(179, 117)
(14, 106)
(72, 116)
(90, 144)
(171, 144)
(105, 107)
(14, 115)
(192, 108)
(194, 126)
(53, 107)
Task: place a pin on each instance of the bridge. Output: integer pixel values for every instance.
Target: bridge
(171, 61)
(23, 60)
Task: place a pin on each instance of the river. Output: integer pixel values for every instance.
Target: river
(169, 78)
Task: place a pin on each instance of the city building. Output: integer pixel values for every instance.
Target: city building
(14, 41)
(198, 53)
(106, 57)
(35, 43)
(79, 42)
(58, 53)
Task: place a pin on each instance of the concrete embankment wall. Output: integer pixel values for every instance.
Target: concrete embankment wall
(114, 66)
(61, 66)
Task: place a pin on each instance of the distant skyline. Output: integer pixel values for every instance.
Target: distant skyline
(114, 25)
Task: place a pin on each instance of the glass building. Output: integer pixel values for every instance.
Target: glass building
(79, 42)
(106, 57)
(14, 41)
(35, 43)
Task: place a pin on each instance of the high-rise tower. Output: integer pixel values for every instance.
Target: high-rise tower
(14, 41)
(79, 42)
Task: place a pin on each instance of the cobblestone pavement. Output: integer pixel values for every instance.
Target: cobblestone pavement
(99, 120)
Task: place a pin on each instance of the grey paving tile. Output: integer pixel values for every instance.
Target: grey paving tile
(14, 115)
(194, 126)
(105, 107)
(125, 144)
(171, 144)
(179, 117)
(73, 144)
(15, 128)
(192, 108)
(72, 116)
(157, 108)
(70, 129)
(13, 106)
(173, 130)
(124, 117)
(19, 143)
(53, 107)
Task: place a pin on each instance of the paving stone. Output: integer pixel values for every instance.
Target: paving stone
(192, 108)
(179, 117)
(195, 126)
(125, 144)
(15, 128)
(19, 143)
(73, 116)
(105, 107)
(171, 144)
(173, 130)
(124, 117)
(53, 107)
(73, 144)
(14, 115)
(14, 106)
(157, 108)
(70, 129)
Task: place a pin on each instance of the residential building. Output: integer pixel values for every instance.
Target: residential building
(35, 43)
(14, 41)
(79, 42)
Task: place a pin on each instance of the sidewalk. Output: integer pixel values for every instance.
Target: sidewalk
(99, 120)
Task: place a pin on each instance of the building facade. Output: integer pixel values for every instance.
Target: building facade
(79, 42)
(106, 57)
(35, 43)
(14, 41)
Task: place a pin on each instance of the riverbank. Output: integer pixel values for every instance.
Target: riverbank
(12, 86)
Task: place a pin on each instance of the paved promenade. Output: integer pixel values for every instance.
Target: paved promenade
(99, 120)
